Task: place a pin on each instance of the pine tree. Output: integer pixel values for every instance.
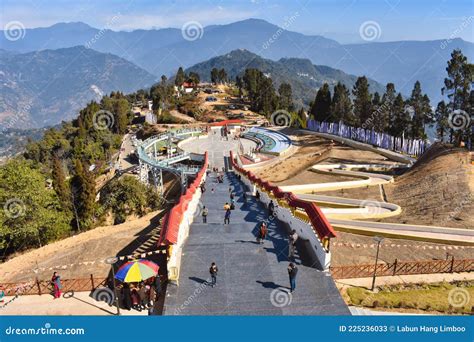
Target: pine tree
(214, 75)
(387, 110)
(457, 85)
(420, 104)
(441, 119)
(401, 118)
(83, 194)
(362, 101)
(341, 105)
(321, 108)
(180, 77)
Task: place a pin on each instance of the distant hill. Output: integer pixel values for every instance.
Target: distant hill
(163, 51)
(43, 88)
(304, 77)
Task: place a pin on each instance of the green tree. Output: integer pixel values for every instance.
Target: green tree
(401, 118)
(128, 196)
(32, 214)
(457, 85)
(341, 105)
(321, 108)
(222, 76)
(362, 101)
(180, 77)
(83, 193)
(441, 120)
(420, 106)
(194, 77)
(214, 75)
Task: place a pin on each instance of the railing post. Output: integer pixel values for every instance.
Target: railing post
(452, 264)
(395, 266)
(38, 286)
(92, 282)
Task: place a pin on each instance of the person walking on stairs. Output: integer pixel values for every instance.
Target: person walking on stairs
(262, 232)
(204, 214)
(213, 271)
(292, 244)
(227, 216)
(292, 272)
(271, 208)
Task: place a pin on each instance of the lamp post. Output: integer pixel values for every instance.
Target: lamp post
(379, 240)
(111, 261)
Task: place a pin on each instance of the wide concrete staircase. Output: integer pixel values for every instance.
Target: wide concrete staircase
(252, 278)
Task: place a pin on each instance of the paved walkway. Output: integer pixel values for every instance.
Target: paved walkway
(81, 303)
(252, 278)
(218, 148)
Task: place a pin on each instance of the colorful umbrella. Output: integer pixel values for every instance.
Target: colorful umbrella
(136, 271)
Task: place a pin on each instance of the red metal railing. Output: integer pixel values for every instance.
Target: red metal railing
(319, 222)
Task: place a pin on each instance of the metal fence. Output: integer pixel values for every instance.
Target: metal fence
(403, 268)
(39, 287)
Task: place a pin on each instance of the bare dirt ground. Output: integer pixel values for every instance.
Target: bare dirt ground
(82, 254)
(437, 190)
(351, 249)
(313, 150)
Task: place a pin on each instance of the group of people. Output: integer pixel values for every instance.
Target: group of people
(140, 296)
(261, 234)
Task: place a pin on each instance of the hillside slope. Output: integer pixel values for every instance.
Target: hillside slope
(304, 77)
(437, 190)
(43, 88)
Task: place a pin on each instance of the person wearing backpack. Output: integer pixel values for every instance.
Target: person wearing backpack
(213, 271)
(205, 211)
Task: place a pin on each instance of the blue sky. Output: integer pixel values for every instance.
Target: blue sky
(341, 20)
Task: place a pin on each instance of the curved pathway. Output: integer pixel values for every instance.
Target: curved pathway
(347, 212)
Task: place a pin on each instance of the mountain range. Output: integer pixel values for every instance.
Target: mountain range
(44, 87)
(162, 51)
(304, 77)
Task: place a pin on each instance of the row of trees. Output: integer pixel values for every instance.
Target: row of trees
(387, 113)
(219, 76)
(261, 92)
(38, 212)
(182, 77)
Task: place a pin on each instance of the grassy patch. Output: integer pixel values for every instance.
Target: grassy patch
(456, 297)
